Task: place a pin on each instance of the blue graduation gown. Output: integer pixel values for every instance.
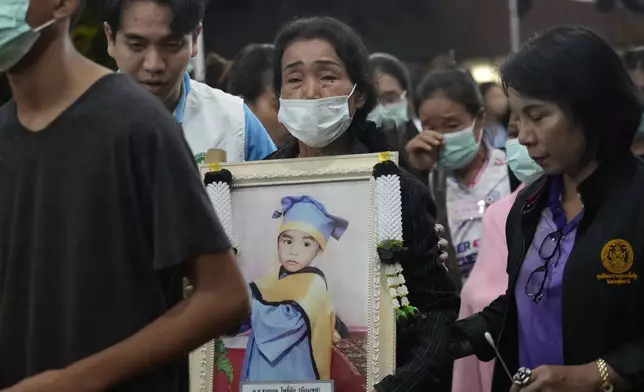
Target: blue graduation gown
(279, 348)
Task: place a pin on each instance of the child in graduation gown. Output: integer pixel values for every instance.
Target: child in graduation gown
(292, 318)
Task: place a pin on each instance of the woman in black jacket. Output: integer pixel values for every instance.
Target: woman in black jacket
(324, 62)
(572, 318)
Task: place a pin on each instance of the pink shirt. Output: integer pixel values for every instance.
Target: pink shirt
(487, 281)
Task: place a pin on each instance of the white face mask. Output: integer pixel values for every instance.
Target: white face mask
(16, 36)
(316, 122)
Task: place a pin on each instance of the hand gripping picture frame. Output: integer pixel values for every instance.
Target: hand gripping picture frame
(316, 240)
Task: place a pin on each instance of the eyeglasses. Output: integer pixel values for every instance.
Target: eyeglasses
(547, 251)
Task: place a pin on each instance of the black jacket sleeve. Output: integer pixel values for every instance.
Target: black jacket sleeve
(628, 362)
(473, 329)
(429, 367)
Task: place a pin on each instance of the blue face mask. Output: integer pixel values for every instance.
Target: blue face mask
(393, 111)
(523, 167)
(459, 148)
(16, 36)
(641, 128)
(396, 111)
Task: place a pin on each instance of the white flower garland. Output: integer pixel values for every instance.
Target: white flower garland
(390, 230)
(222, 202)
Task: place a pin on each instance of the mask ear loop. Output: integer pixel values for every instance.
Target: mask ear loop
(480, 115)
(352, 91)
(44, 25)
(349, 97)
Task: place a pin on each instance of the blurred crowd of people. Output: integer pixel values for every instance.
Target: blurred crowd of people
(534, 183)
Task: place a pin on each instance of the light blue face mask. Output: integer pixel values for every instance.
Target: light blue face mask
(459, 148)
(393, 111)
(16, 36)
(523, 167)
(396, 111)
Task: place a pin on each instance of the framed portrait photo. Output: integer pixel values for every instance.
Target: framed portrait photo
(307, 233)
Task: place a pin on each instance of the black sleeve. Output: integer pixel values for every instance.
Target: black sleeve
(628, 362)
(431, 291)
(473, 329)
(182, 223)
(398, 137)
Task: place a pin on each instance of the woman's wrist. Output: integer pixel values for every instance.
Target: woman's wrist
(605, 381)
(605, 377)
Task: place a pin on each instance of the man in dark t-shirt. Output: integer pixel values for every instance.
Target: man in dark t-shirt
(102, 213)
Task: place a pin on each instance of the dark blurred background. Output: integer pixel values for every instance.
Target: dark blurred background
(474, 33)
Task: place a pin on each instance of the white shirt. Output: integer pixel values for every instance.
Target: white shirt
(213, 119)
(466, 204)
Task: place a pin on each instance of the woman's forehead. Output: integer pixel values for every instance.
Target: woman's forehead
(306, 52)
(519, 101)
(387, 83)
(442, 106)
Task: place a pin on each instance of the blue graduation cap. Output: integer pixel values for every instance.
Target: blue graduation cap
(310, 216)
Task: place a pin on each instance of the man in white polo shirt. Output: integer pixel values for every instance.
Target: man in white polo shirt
(153, 42)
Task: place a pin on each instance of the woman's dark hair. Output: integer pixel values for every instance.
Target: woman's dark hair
(348, 46)
(578, 71)
(456, 84)
(217, 71)
(391, 66)
(251, 71)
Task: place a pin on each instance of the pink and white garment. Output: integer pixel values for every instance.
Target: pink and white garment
(487, 281)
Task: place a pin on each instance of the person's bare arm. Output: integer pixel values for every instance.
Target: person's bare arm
(218, 303)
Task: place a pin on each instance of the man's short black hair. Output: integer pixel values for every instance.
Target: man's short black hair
(187, 14)
(577, 70)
